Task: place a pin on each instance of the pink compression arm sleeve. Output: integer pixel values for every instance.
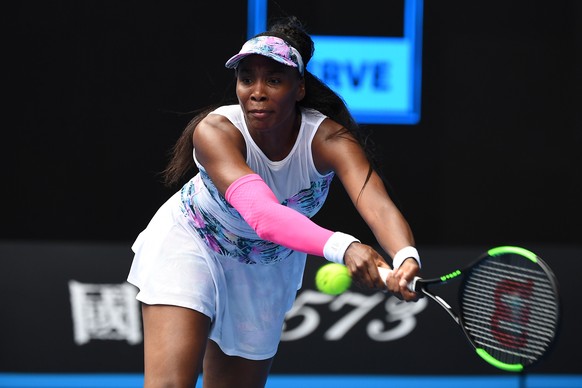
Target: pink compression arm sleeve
(259, 207)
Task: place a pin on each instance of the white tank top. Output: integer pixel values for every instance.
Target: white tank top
(294, 180)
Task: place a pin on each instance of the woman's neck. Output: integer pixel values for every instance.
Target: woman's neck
(277, 144)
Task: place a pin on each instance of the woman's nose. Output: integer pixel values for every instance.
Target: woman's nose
(258, 92)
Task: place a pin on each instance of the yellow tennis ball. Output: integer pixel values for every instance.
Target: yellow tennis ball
(333, 279)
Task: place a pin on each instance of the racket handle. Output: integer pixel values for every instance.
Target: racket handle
(384, 274)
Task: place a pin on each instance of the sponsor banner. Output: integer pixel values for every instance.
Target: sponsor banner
(66, 308)
(378, 76)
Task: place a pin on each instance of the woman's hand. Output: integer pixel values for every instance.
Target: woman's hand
(397, 280)
(363, 261)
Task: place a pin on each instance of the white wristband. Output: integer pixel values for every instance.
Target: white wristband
(403, 254)
(336, 246)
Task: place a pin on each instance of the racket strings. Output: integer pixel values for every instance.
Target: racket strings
(483, 336)
(544, 308)
(474, 310)
(486, 281)
(510, 309)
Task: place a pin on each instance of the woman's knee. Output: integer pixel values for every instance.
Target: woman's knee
(174, 345)
(224, 371)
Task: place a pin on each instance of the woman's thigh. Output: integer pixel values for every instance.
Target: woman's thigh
(223, 371)
(174, 344)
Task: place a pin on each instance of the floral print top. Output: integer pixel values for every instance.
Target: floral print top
(302, 188)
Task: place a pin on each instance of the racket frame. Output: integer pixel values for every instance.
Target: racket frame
(423, 286)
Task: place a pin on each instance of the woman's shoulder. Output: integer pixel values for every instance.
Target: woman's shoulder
(311, 113)
(226, 114)
(315, 121)
(227, 110)
(216, 132)
(327, 127)
(222, 120)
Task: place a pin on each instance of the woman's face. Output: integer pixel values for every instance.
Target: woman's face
(268, 92)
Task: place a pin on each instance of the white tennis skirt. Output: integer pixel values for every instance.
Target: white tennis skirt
(247, 303)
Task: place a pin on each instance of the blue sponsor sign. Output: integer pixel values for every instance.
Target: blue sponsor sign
(378, 77)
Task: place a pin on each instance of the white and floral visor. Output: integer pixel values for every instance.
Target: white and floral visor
(271, 47)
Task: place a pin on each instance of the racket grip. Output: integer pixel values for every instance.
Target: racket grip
(384, 274)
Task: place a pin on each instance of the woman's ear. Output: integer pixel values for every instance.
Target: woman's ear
(301, 90)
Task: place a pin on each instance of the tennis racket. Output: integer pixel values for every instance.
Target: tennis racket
(509, 306)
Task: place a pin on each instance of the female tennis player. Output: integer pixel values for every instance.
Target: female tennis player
(220, 263)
